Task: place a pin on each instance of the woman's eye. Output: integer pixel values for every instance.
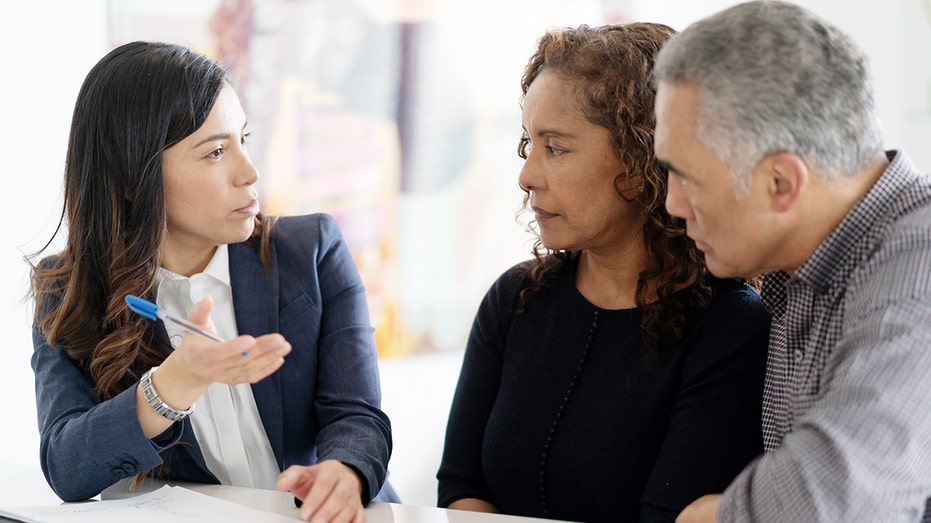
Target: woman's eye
(216, 153)
(245, 139)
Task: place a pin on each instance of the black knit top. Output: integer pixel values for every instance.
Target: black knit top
(562, 412)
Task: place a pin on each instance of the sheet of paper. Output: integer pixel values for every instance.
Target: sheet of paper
(174, 504)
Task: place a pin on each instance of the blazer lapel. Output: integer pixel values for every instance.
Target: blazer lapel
(255, 300)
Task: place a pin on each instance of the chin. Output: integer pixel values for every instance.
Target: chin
(554, 244)
(243, 234)
(721, 270)
(556, 247)
(250, 226)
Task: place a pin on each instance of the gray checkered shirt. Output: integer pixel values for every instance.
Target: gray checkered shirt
(847, 400)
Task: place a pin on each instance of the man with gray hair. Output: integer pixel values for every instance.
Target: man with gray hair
(766, 121)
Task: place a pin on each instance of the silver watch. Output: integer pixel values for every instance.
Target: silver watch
(151, 396)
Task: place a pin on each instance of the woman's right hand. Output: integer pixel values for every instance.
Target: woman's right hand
(197, 362)
(245, 359)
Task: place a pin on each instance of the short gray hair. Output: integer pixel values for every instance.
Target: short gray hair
(774, 77)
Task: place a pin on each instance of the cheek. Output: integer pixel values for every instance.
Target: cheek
(710, 207)
(178, 214)
(728, 226)
(185, 203)
(176, 206)
(191, 194)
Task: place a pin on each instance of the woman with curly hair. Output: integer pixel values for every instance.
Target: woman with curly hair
(161, 202)
(610, 378)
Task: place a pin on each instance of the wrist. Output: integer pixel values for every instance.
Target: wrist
(177, 386)
(158, 404)
(176, 373)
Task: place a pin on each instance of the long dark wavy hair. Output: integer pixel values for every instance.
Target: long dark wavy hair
(139, 100)
(611, 68)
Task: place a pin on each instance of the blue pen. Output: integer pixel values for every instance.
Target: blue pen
(152, 311)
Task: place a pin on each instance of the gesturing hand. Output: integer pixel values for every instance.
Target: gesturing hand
(197, 362)
(330, 491)
(245, 359)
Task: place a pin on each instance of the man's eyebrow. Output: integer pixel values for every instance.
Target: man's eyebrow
(666, 166)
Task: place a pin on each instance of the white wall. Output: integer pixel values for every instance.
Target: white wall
(46, 48)
(896, 36)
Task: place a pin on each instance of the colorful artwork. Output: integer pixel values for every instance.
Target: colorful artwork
(398, 117)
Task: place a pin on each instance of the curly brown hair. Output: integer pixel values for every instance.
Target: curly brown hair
(611, 67)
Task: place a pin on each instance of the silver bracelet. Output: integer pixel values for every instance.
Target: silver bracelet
(155, 401)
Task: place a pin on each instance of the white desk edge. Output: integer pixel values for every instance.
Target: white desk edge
(283, 503)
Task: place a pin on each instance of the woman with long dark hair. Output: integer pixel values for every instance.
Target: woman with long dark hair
(161, 203)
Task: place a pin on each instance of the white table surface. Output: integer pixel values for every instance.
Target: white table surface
(283, 503)
(21, 486)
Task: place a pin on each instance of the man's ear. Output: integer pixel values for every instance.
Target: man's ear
(787, 178)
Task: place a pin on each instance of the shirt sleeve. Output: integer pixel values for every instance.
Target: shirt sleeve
(87, 445)
(460, 474)
(714, 429)
(861, 452)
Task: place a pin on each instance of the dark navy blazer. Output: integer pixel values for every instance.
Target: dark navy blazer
(324, 402)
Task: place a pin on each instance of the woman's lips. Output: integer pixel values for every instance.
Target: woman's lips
(541, 214)
(251, 208)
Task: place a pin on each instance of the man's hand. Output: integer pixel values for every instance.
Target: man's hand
(702, 510)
